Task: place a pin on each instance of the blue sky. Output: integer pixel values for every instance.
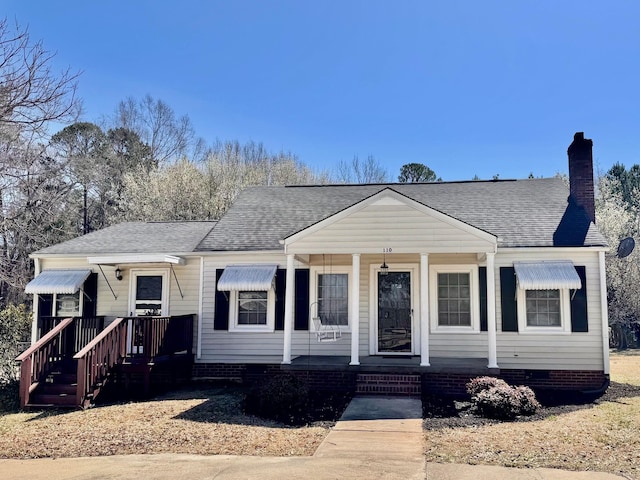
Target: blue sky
(466, 87)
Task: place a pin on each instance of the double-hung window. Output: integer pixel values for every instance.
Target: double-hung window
(543, 295)
(252, 296)
(330, 296)
(454, 298)
(541, 311)
(251, 310)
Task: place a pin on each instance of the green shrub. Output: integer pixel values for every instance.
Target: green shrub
(15, 328)
(283, 398)
(494, 398)
(528, 402)
(479, 384)
(9, 397)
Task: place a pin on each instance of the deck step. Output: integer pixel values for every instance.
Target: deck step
(388, 384)
(58, 400)
(58, 388)
(61, 377)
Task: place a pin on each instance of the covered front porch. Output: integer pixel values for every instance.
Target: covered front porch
(394, 253)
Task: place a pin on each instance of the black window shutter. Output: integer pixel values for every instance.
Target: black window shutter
(579, 320)
(281, 288)
(90, 297)
(302, 299)
(45, 305)
(508, 299)
(301, 308)
(221, 316)
(482, 276)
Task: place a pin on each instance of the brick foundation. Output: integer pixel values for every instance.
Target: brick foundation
(388, 384)
(317, 380)
(341, 380)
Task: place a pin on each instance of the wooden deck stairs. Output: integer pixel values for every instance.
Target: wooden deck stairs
(72, 363)
(58, 390)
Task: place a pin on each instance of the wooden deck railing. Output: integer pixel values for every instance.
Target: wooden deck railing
(86, 328)
(159, 336)
(97, 359)
(39, 360)
(143, 338)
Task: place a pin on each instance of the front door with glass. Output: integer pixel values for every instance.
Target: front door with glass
(394, 313)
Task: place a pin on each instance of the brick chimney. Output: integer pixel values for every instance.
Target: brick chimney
(581, 174)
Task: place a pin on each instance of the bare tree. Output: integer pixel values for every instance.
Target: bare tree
(357, 171)
(169, 137)
(31, 95)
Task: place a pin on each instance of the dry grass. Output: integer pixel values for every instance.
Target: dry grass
(203, 421)
(604, 436)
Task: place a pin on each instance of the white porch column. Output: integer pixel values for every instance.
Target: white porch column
(491, 312)
(288, 309)
(355, 309)
(424, 310)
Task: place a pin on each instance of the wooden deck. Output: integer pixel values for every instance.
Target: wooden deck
(74, 360)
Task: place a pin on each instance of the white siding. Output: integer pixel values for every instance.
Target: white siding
(188, 277)
(574, 351)
(515, 350)
(401, 227)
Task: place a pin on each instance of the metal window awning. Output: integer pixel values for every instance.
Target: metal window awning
(58, 281)
(547, 275)
(252, 278)
(136, 258)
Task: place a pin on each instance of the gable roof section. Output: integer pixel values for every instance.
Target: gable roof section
(520, 213)
(136, 237)
(381, 212)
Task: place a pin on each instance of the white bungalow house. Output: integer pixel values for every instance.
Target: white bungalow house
(413, 284)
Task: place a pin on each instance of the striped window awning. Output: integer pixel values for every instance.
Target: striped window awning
(247, 278)
(58, 281)
(547, 275)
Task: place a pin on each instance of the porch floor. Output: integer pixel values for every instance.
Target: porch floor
(393, 364)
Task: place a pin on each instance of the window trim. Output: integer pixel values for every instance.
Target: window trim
(565, 314)
(472, 270)
(54, 306)
(234, 326)
(313, 294)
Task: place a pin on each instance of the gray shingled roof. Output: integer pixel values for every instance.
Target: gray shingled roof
(136, 237)
(521, 213)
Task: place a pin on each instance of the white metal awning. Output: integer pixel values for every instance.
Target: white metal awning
(136, 258)
(58, 281)
(251, 278)
(547, 275)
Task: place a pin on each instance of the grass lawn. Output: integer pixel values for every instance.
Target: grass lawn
(203, 420)
(601, 436)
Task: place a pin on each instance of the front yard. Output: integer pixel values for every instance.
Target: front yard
(602, 436)
(206, 420)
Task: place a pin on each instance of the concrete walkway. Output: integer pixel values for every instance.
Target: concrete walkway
(377, 438)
